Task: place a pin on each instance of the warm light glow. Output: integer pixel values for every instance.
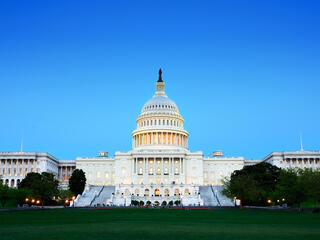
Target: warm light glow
(38, 201)
(283, 199)
(269, 201)
(33, 200)
(27, 199)
(67, 201)
(74, 197)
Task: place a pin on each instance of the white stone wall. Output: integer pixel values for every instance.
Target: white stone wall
(99, 170)
(216, 169)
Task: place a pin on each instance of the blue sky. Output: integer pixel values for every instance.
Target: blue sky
(74, 75)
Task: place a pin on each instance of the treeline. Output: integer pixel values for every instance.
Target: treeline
(42, 189)
(264, 184)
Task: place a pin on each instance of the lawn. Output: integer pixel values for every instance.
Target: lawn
(68, 224)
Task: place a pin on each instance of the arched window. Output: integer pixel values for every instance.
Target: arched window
(157, 192)
(166, 192)
(127, 192)
(146, 192)
(176, 192)
(137, 192)
(158, 171)
(186, 192)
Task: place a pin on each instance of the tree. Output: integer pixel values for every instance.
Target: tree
(141, 203)
(20, 194)
(164, 203)
(316, 186)
(77, 181)
(148, 202)
(177, 202)
(65, 194)
(253, 185)
(43, 186)
(291, 186)
(171, 203)
(4, 194)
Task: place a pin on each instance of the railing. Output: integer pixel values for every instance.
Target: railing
(215, 195)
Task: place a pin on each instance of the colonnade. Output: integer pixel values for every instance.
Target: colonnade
(14, 170)
(65, 172)
(301, 163)
(160, 138)
(158, 166)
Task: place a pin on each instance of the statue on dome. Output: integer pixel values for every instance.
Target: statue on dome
(160, 75)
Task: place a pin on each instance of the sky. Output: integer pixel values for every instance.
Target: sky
(74, 75)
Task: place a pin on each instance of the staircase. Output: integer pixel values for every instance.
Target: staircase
(212, 196)
(207, 196)
(104, 195)
(88, 196)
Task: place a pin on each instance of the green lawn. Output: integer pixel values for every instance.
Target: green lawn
(68, 224)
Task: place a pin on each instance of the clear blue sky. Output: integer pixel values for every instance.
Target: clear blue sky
(74, 75)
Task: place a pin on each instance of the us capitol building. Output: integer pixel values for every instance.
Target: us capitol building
(160, 167)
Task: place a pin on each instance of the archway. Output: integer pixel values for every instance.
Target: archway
(146, 192)
(156, 203)
(157, 192)
(166, 192)
(127, 192)
(186, 192)
(137, 192)
(176, 192)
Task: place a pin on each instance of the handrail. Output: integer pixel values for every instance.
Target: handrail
(215, 195)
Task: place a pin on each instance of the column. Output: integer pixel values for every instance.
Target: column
(154, 166)
(162, 170)
(182, 165)
(180, 168)
(147, 166)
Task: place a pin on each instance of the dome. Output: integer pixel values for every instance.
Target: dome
(160, 123)
(160, 104)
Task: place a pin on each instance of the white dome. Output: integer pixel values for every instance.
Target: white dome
(160, 123)
(160, 104)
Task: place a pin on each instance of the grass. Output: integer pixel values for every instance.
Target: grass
(68, 224)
